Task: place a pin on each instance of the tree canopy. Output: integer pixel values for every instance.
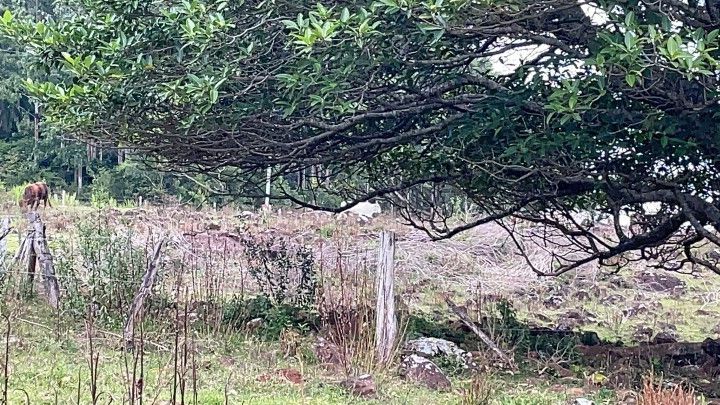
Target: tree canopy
(610, 106)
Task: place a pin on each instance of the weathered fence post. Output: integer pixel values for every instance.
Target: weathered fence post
(39, 252)
(5, 229)
(268, 181)
(385, 317)
(144, 291)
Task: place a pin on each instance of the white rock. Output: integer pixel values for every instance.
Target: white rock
(364, 210)
(431, 347)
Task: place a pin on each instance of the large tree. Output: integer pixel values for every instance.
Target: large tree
(611, 107)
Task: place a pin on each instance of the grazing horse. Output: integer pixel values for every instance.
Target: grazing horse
(34, 194)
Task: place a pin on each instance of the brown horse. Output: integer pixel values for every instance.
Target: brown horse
(34, 194)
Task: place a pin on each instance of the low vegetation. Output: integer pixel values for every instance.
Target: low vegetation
(272, 309)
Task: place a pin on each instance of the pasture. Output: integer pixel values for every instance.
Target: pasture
(278, 308)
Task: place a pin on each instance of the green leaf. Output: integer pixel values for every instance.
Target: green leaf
(290, 24)
(630, 78)
(345, 15)
(7, 17)
(630, 40)
(68, 58)
(673, 46)
(573, 102)
(713, 35)
(630, 19)
(664, 141)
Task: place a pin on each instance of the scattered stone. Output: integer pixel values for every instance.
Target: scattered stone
(583, 401)
(618, 281)
(574, 318)
(666, 336)
(590, 338)
(658, 282)
(328, 353)
(636, 309)
(667, 326)
(554, 302)
(643, 334)
(432, 347)
(361, 386)
(246, 215)
(286, 374)
(711, 347)
(598, 291)
(253, 324)
(613, 299)
(423, 371)
(542, 318)
(582, 295)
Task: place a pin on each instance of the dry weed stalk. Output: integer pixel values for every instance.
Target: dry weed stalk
(653, 393)
(93, 358)
(6, 361)
(480, 391)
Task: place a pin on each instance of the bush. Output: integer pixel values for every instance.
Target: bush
(102, 271)
(287, 282)
(276, 318)
(285, 275)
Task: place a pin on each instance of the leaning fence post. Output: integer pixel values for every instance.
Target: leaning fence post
(38, 248)
(5, 230)
(148, 281)
(385, 317)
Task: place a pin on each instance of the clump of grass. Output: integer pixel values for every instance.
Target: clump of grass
(480, 391)
(653, 393)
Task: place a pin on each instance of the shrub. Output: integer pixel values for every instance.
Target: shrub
(102, 269)
(286, 275)
(276, 318)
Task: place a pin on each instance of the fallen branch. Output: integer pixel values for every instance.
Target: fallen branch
(144, 291)
(462, 314)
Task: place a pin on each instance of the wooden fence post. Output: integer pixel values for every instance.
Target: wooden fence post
(148, 281)
(5, 229)
(385, 317)
(38, 250)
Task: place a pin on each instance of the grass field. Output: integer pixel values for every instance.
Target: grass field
(197, 347)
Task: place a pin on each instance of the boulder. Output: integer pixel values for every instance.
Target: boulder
(636, 309)
(554, 302)
(618, 281)
(642, 334)
(432, 347)
(423, 371)
(666, 336)
(582, 295)
(613, 299)
(589, 338)
(711, 347)
(658, 282)
(574, 318)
